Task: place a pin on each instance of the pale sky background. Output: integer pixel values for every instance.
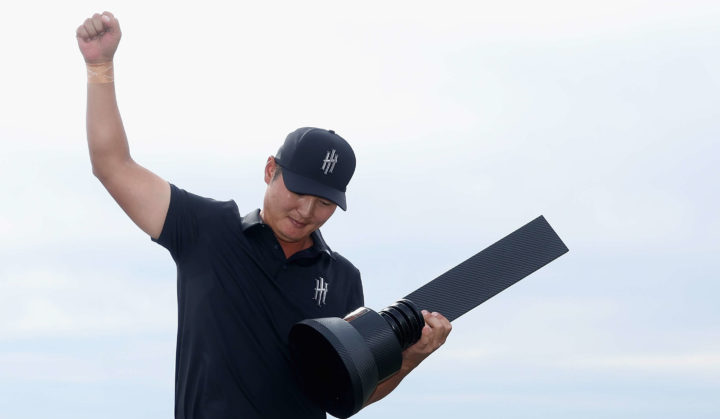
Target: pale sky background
(468, 119)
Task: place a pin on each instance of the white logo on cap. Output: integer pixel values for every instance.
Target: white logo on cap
(329, 162)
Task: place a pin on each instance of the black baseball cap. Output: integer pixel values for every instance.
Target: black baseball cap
(318, 162)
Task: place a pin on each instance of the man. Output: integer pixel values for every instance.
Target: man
(242, 281)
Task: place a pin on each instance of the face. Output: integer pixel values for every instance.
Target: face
(292, 216)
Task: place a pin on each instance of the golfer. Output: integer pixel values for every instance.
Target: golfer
(242, 280)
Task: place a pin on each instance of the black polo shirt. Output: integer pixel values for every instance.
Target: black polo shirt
(238, 296)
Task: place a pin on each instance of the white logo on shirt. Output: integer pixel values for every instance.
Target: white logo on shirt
(321, 290)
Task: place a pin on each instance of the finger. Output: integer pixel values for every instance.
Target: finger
(82, 33)
(97, 23)
(426, 338)
(90, 28)
(444, 323)
(445, 327)
(433, 321)
(110, 22)
(440, 316)
(440, 328)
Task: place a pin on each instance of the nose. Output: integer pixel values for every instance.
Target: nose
(306, 205)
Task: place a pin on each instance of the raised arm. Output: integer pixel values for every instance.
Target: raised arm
(144, 196)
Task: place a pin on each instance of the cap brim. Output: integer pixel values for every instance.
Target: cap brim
(304, 186)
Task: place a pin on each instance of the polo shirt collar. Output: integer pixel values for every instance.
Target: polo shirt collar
(253, 220)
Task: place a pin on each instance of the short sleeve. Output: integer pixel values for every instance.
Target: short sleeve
(180, 229)
(355, 297)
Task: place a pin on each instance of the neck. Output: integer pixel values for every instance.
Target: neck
(290, 248)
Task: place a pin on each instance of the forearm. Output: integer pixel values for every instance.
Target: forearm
(107, 141)
(434, 333)
(387, 386)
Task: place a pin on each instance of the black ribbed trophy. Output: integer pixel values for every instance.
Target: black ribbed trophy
(340, 361)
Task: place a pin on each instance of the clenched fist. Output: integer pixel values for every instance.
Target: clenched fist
(436, 330)
(98, 38)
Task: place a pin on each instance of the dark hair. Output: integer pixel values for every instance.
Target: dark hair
(277, 172)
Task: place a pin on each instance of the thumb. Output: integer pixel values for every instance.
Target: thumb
(110, 22)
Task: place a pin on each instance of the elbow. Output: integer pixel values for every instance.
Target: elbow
(96, 172)
(105, 169)
(100, 172)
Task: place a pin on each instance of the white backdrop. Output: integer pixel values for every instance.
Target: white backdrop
(468, 120)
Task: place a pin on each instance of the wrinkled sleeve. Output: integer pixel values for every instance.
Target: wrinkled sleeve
(180, 229)
(355, 295)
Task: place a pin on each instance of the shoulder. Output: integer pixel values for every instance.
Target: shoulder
(199, 213)
(200, 205)
(352, 282)
(193, 219)
(339, 262)
(345, 265)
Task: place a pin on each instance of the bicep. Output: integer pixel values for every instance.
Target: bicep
(143, 195)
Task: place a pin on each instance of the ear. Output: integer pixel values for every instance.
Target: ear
(270, 166)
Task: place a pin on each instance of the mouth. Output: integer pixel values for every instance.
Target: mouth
(297, 224)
